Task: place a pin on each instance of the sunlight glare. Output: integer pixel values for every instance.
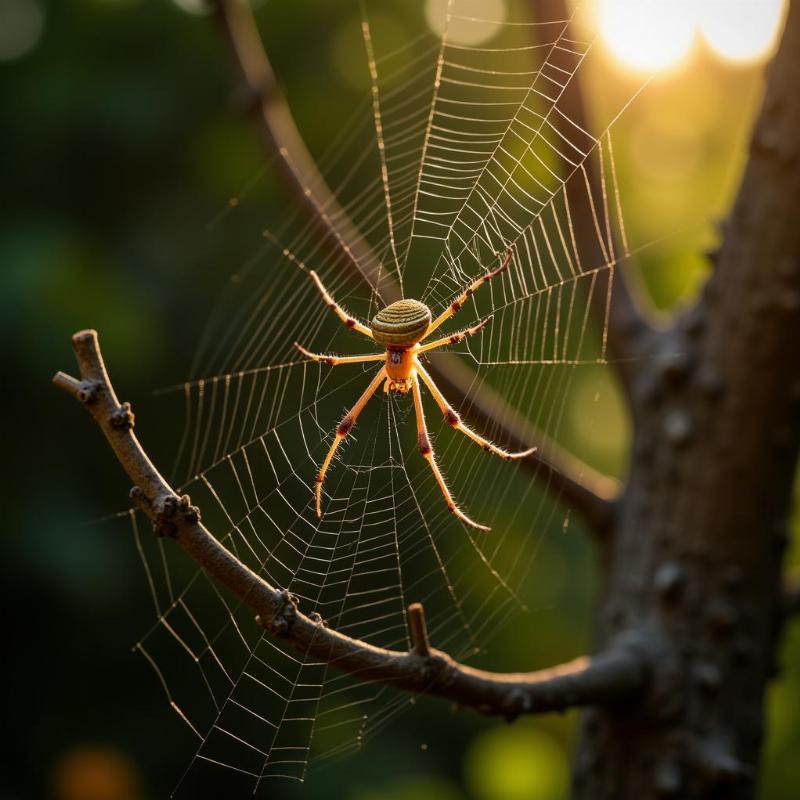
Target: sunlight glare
(21, 27)
(657, 35)
(740, 30)
(647, 35)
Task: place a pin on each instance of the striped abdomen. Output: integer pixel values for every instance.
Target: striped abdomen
(401, 324)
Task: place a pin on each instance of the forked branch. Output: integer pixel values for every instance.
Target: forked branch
(589, 494)
(617, 676)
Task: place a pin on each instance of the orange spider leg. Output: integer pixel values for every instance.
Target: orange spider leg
(334, 361)
(455, 338)
(348, 320)
(458, 303)
(344, 428)
(455, 421)
(426, 451)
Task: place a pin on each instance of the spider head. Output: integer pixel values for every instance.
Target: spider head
(401, 324)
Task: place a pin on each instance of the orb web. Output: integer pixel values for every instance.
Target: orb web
(457, 153)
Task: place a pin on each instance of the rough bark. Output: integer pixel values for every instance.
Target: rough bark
(695, 551)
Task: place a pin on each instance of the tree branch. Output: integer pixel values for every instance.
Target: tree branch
(282, 139)
(566, 477)
(585, 491)
(612, 677)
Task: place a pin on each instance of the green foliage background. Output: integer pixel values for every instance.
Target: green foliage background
(121, 146)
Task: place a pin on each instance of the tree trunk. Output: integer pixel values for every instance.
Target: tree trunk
(693, 565)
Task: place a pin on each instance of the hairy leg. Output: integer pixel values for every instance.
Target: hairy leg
(426, 451)
(455, 338)
(458, 303)
(344, 428)
(455, 421)
(348, 320)
(334, 361)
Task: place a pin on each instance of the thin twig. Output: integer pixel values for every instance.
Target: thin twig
(616, 676)
(585, 491)
(418, 630)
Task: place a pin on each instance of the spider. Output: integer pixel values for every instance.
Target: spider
(401, 328)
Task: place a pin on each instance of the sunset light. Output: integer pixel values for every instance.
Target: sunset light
(647, 35)
(652, 36)
(740, 30)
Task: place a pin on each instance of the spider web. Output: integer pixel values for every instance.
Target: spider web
(457, 153)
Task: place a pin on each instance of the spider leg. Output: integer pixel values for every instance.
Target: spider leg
(455, 338)
(334, 361)
(426, 451)
(351, 322)
(455, 421)
(345, 425)
(458, 303)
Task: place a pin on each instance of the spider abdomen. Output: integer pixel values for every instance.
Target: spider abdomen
(401, 324)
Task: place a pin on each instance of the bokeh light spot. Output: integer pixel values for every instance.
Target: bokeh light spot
(95, 773)
(21, 27)
(741, 30)
(655, 36)
(519, 763)
(472, 22)
(197, 7)
(647, 35)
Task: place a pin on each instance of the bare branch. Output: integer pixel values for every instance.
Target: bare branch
(282, 140)
(616, 676)
(66, 382)
(576, 483)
